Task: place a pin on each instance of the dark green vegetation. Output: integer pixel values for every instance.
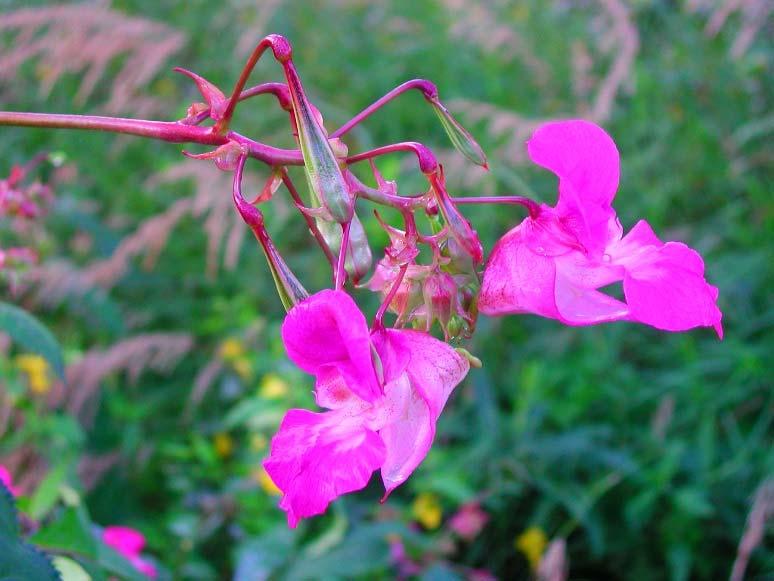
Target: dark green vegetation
(643, 450)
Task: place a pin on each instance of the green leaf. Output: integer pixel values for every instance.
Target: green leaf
(47, 493)
(32, 335)
(9, 517)
(71, 532)
(111, 561)
(19, 561)
(70, 570)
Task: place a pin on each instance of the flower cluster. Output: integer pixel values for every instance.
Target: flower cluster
(21, 202)
(384, 388)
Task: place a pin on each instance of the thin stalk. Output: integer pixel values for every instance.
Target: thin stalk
(377, 196)
(169, 131)
(378, 323)
(282, 52)
(427, 88)
(531, 205)
(307, 218)
(163, 130)
(428, 164)
(341, 271)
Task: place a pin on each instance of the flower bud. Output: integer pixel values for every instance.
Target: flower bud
(359, 257)
(440, 294)
(459, 136)
(459, 227)
(325, 178)
(289, 289)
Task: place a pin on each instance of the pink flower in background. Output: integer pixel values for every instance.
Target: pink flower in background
(385, 391)
(129, 543)
(552, 264)
(7, 480)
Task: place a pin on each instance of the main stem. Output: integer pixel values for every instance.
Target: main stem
(163, 130)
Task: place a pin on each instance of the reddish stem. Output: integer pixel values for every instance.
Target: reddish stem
(307, 218)
(164, 130)
(427, 88)
(378, 323)
(428, 164)
(282, 52)
(531, 205)
(341, 271)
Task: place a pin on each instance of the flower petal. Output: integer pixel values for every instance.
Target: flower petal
(408, 437)
(145, 567)
(327, 332)
(586, 306)
(125, 540)
(416, 399)
(517, 280)
(586, 161)
(317, 457)
(7, 480)
(664, 283)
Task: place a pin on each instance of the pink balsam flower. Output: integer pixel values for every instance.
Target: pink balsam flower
(7, 480)
(553, 263)
(129, 543)
(384, 389)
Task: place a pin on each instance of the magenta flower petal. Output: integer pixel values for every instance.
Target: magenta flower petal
(145, 567)
(328, 332)
(408, 437)
(416, 399)
(586, 161)
(517, 280)
(554, 264)
(7, 480)
(586, 306)
(125, 540)
(664, 283)
(317, 457)
(434, 369)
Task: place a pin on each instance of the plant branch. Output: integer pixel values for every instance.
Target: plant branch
(427, 89)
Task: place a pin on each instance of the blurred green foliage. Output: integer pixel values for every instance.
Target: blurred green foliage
(642, 449)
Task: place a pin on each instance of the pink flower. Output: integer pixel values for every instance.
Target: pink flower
(469, 521)
(129, 543)
(385, 391)
(7, 480)
(552, 264)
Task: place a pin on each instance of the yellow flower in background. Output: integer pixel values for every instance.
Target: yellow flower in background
(273, 387)
(36, 369)
(265, 482)
(258, 442)
(243, 368)
(224, 445)
(532, 543)
(427, 510)
(231, 348)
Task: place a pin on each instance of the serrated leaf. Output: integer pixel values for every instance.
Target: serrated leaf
(31, 334)
(9, 517)
(18, 560)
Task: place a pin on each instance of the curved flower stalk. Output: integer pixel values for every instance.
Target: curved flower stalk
(553, 263)
(129, 543)
(384, 391)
